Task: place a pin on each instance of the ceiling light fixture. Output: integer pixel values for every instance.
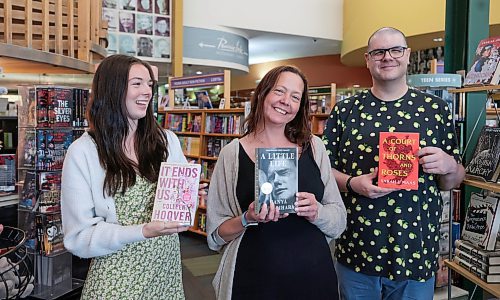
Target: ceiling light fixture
(437, 39)
(199, 72)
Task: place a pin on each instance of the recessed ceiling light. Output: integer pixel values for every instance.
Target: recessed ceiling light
(355, 85)
(199, 72)
(437, 39)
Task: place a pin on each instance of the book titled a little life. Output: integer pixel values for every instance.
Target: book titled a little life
(276, 178)
(398, 160)
(176, 198)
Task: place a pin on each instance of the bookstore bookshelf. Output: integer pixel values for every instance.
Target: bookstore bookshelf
(53, 119)
(203, 133)
(492, 288)
(321, 101)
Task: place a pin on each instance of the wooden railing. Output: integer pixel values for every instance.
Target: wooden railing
(68, 29)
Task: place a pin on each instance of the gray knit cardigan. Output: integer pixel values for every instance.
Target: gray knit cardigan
(223, 205)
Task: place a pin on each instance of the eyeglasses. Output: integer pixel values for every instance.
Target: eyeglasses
(394, 52)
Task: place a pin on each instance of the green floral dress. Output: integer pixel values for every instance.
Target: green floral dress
(149, 269)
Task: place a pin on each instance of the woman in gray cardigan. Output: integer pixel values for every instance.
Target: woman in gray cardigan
(284, 251)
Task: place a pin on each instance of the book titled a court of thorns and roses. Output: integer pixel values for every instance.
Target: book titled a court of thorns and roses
(398, 160)
(176, 196)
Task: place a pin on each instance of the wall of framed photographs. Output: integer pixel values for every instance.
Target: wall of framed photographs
(139, 28)
(427, 61)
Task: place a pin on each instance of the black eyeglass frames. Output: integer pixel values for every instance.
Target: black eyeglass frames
(394, 52)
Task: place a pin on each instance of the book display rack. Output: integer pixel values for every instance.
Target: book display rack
(492, 288)
(53, 117)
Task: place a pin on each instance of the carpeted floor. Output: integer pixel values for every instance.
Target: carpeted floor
(203, 265)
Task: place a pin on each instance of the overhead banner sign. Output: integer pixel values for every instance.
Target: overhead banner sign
(203, 80)
(215, 45)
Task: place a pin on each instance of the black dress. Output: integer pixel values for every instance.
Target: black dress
(288, 259)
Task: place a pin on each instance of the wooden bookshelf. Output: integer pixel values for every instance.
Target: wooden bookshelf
(491, 186)
(492, 288)
(318, 122)
(205, 136)
(481, 88)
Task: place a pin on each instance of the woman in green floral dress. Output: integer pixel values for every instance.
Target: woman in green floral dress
(108, 186)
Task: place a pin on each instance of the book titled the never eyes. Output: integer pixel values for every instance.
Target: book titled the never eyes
(276, 178)
(398, 160)
(176, 198)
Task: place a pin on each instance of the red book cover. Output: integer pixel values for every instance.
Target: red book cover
(398, 160)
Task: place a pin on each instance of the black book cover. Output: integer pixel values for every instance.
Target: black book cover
(58, 142)
(484, 162)
(276, 178)
(28, 194)
(61, 107)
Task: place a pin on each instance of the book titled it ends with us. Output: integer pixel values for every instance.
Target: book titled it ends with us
(176, 198)
(398, 160)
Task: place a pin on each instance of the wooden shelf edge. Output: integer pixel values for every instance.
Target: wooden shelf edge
(222, 134)
(492, 288)
(320, 115)
(187, 133)
(491, 186)
(199, 111)
(213, 158)
(475, 89)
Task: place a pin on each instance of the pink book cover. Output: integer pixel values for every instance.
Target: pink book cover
(176, 197)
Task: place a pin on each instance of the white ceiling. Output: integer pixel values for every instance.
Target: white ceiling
(267, 47)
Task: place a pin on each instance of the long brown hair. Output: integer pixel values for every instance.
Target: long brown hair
(298, 130)
(107, 115)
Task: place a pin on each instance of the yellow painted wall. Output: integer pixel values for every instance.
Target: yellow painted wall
(420, 21)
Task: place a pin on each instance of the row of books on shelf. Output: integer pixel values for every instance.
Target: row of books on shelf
(44, 149)
(445, 234)
(54, 106)
(190, 145)
(6, 140)
(8, 172)
(207, 168)
(41, 191)
(49, 234)
(215, 145)
(478, 249)
(184, 122)
(225, 124)
(44, 233)
(202, 221)
(483, 264)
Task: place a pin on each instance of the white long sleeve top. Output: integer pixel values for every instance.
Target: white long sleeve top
(89, 215)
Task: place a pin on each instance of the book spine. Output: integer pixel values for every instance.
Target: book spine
(256, 181)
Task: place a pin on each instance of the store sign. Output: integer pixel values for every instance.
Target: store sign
(434, 80)
(205, 80)
(325, 90)
(215, 45)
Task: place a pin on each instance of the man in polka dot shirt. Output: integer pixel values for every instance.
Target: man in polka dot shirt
(389, 249)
